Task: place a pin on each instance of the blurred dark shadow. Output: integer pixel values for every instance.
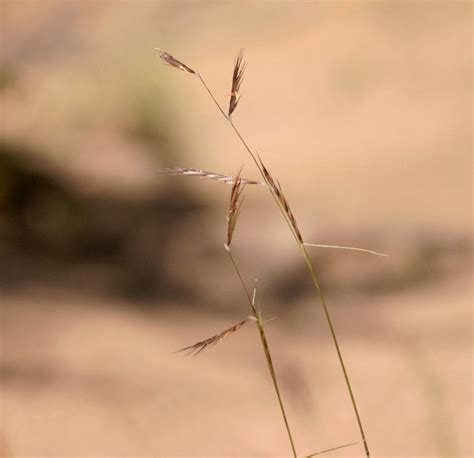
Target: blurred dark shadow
(51, 233)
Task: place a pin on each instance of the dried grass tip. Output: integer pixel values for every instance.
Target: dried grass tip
(204, 174)
(237, 77)
(234, 208)
(278, 191)
(168, 59)
(218, 338)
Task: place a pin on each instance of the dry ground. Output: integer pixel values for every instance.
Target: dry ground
(81, 379)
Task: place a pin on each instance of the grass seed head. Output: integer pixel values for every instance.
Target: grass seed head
(204, 174)
(234, 208)
(278, 191)
(237, 77)
(168, 59)
(198, 347)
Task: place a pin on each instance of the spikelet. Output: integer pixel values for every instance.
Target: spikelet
(278, 192)
(237, 77)
(198, 347)
(168, 59)
(204, 174)
(234, 208)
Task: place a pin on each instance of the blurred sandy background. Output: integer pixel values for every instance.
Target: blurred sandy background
(362, 110)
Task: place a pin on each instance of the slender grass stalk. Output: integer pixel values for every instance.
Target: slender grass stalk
(263, 338)
(271, 368)
(302, 247)
(336, 345)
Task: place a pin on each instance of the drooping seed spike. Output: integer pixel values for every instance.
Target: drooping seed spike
(278, 193)
(198, 347)
(235, 206)
(168, 59)
(204, 174)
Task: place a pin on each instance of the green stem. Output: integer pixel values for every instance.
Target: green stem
(336, 344)
(242, 281)
(266, 349)
(351, 248)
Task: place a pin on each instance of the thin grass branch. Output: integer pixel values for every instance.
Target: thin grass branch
(266, 348)
(351, 248)
(332, 449)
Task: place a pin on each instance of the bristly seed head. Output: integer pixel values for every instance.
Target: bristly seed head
(168, 59)
(204, 174)
(237, 77)
(198, 347)
(234, 208)
(278, 192)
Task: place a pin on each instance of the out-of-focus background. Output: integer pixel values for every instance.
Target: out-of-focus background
(361, 110)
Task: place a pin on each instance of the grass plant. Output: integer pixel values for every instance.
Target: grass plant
(276, 191)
